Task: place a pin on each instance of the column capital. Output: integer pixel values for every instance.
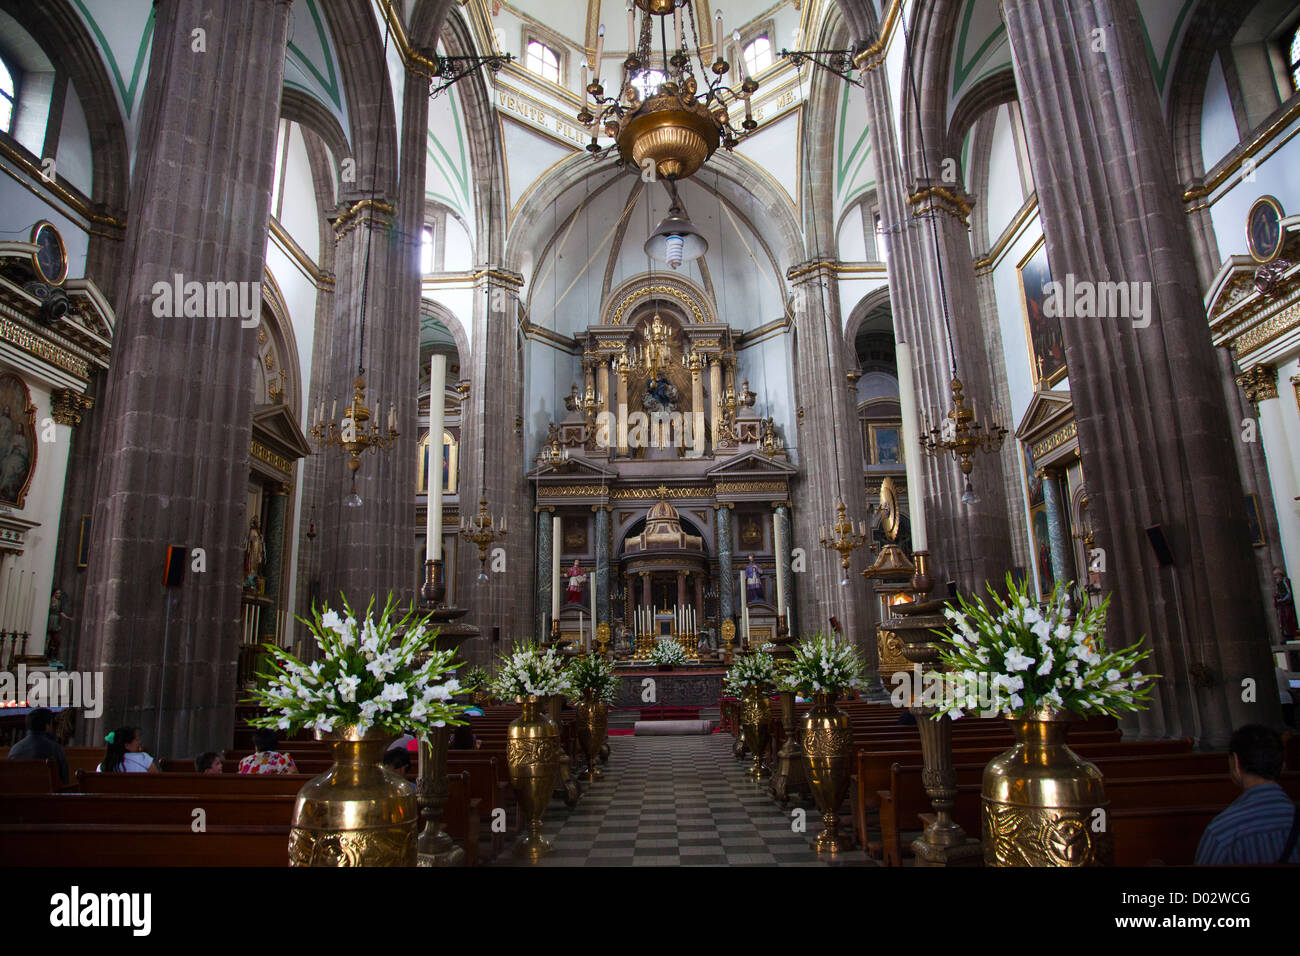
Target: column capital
(1259, 383)
(605, 508)
(719, 505)
(782, 504)
(538, 509)
(67, 405)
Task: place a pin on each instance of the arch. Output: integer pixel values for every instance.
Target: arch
(690, 298)
(280, 329)
(63, 38)
(868, 304)
(823, 92)
(988, 94)
(308, 112)
(436, 310)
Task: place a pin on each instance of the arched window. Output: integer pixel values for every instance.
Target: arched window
(7, 95)
(543, 61)
(426, 251)
(1293, 59)
(647, 83)
(758, 55)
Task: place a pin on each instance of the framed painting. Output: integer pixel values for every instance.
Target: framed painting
(17, 440)
(886, 443)
(1042, 332)
(1033, 484)
(450, 455)
(574, 531)
(1042, 551)
(751, 532)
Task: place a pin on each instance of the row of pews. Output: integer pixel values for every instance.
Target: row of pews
(182, 818)
(1162, 793)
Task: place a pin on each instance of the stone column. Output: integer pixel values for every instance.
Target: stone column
(647, 591)
(681, 588)
(602, 566)
(781, 518)
(698, 579)
(1058, 541)
(277, 498)
(602, 383)
(545, 545)
(178, 401)
(1156, 445)
(621, 414)
(726, 576)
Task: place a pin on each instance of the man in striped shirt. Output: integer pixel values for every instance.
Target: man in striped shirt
(1258, 826)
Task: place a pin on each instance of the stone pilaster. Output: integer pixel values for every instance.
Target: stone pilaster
(602, 565)
(726, 573)
(178, 401)
(1157, 447)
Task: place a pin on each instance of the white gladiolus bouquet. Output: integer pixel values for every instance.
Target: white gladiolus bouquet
(593, 675)
(822, 665)
(668, 652)
(528, 671)
(367, 677)
(1026, 659)
(750, 670)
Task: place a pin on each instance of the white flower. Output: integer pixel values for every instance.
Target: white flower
(1045, 667)
(1043, 629)
(283, 723)
(1112, 675)
(1017, 661)
(330, 621)
(392, 692)
(348, 688)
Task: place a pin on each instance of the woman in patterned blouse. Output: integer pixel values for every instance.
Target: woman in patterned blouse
(267, 759)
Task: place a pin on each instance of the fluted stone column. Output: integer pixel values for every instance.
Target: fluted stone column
(178, 401)
(602, 565)
(726, 575)
(1155, 439)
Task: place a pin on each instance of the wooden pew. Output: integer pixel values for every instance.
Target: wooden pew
(136, 844)
(152, 809)
(29, 776)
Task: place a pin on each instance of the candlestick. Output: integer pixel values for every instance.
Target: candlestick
(911, 447)
(677, 27)
(334, 406)
(581, 631)
(556, 541)
(591, 593)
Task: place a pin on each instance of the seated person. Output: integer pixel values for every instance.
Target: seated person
(125, 754)
(39, 744)
(267, 759)
(397, 759)
(407, 742)
(208, 762)
(1260, 826)
(462, 738)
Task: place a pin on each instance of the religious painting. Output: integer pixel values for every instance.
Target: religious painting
(751, 532)
(1046, 343)
(1042, 551)
(887, 443)
(1264, 229)
(450, 455)
(574, 531)
(1254, 527)
(1033, 483)
(17, 440)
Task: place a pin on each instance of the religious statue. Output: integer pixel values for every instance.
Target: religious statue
(254, 554)
(660, 395)
(1284, 604)
(576, 578)
(753, 582)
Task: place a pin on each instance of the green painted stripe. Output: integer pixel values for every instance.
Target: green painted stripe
(962, 71)
(843, 162)
(330, 84)
(454, 175)
(127, 91)
(1160, 66)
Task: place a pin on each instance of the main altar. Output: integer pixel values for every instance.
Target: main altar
(664, 487)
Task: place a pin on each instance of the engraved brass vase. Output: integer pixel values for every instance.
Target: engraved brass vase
(1039, 800)
(828, 753)
(358, 812)
(533, 758)
(755, 727)
(592, 722)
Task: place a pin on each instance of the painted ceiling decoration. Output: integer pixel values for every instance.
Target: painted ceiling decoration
(980, 46)
(855, 167)
(123, 34)
(448, 173)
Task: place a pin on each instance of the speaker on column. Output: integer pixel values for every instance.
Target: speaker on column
(174, 572)
(1160, 545)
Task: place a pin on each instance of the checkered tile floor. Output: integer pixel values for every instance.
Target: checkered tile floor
(676, 801)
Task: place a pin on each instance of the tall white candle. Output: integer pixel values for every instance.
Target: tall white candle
(631, 28)
(600, 49)
(582, 632)
(778, 544)
(433, 522)
(591, 593)
(911, 446)
(555, 567)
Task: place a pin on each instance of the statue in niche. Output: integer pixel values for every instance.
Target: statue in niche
(576, 576)
(753, 581)
(254, 555)
(661, 395)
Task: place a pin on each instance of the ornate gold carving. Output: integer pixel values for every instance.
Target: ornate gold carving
(66, 406)
(874, 55)
(1056, 439)
(264, 454)
(1268, 330)
(937, 197)
(389, 846)
(42, 348)
(750, 487)
(1259, 382)
(1029, 836)
(379, 211)
(672, 291)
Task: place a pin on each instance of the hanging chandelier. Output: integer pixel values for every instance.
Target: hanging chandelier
(353, 436)
(962, 434)
(676, 127)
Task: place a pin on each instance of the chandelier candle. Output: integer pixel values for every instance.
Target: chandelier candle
(911, 446)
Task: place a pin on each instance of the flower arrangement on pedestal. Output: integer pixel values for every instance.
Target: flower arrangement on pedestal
(1041, 669)
(366, 678)
(1014, 658)
(667, 654)
(751, 678)
(750, 671)
(592, 677)
(528, 671)
(822, 665)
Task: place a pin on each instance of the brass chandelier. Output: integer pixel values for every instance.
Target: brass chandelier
(678, 126)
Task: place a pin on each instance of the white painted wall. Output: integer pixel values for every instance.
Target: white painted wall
(1218, 126)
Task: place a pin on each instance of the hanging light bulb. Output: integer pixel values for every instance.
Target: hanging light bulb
(968, 497)
(676, 240)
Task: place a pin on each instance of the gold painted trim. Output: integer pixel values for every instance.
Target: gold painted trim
(267, 456)
(951, 203)
(1009, 235)
(71, 199)
(1055, 440)
(34, 344)
(1272, 328)
(874, 55)
(1046, 381)
(1257, 144)
(415, 62)
(351, 217)
(289, 246)
(699, 308)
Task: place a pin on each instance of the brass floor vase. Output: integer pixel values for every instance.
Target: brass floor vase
(755, 725)
(533, 758)
(593, 723)
(828, 752)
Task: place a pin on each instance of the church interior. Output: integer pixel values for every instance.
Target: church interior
(653, 340)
